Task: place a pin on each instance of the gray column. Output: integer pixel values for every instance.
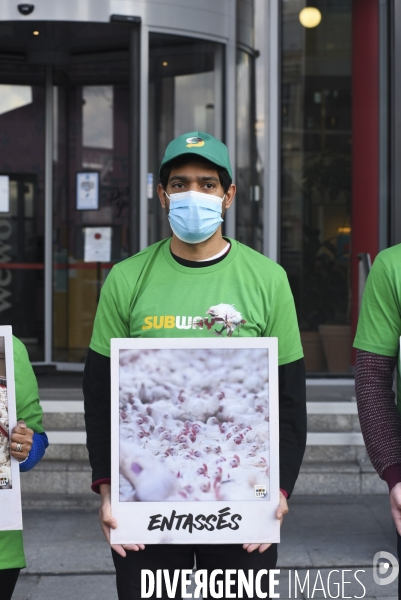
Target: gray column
(48, 250)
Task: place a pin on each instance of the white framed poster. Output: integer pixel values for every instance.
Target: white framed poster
(195, 440)
(10, 491)
(87, 191)
(97, 244)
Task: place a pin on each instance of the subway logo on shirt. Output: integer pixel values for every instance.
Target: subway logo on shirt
(219, 319)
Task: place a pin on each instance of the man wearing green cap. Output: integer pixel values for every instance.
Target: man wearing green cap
(195, 284)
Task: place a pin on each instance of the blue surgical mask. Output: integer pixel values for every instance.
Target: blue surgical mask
(194, 217)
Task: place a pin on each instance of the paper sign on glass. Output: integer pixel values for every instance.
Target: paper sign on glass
(4, 194)
(87, 191)
(10, 494)
(97, 246)
(195, 440)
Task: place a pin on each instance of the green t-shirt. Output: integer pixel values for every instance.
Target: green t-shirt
(379, 325)
(152, 295)
(28, 408)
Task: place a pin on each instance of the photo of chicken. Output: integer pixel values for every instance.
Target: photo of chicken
(194, 424)
(228, 316)
(5, 464)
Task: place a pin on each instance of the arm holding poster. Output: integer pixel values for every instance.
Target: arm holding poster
(25, 447)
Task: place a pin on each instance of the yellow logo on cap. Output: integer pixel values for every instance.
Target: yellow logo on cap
(196, 142)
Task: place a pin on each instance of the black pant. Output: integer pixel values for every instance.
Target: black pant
(171, 557)
(8, 579)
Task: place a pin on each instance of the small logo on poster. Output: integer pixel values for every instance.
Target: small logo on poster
(3, 480)
(260, 491)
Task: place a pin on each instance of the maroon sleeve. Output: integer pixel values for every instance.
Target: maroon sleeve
(96, 484)
(378, 413)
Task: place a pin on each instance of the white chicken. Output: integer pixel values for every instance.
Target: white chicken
(202, 437)
(228, 315)
(150, 480)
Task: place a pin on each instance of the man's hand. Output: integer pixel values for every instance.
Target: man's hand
(108, 522)
(21, 441)
(280, 512)
(395, 503)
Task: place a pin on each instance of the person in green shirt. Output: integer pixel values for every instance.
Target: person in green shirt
(197, 283)
(27, 444)
(378, 356)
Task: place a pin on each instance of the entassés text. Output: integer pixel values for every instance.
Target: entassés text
(222, 520)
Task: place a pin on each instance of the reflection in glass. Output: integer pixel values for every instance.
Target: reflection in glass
(14, 96)
(90, 134)
(22, 126)
(185, 94)
(97, 116)
(194, 103)
(316, 166)
(249, 218)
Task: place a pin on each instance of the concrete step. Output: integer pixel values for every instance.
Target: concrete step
(52, 501)
(339, 478)
(68, 415)
(333, 427)
(335, 460)
(68, 482)
(68, 477)
(61, 393)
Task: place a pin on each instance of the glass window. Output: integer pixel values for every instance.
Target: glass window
(22, 126)
(97, 116)
(316, 175)
(14, 96)
(185, 94)
(93, 114)
(249, 175)
(91, 135)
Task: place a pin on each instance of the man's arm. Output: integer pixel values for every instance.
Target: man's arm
(380, 421)
(292, 425)
(378, 414)
(96, 388)
(292, 422)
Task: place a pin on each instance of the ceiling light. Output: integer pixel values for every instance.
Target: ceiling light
(165, 63)
(35, 32)
(310, 17)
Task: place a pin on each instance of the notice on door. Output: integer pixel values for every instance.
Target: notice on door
(97, 246)
(4, 194)
(87, 191)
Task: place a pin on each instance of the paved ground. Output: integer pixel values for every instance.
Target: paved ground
(68, 559)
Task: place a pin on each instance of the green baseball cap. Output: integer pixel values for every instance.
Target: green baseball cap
(199, 144)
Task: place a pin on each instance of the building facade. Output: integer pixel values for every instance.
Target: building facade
(92, 91)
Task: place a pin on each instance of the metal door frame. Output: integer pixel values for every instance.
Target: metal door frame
(135, 158)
